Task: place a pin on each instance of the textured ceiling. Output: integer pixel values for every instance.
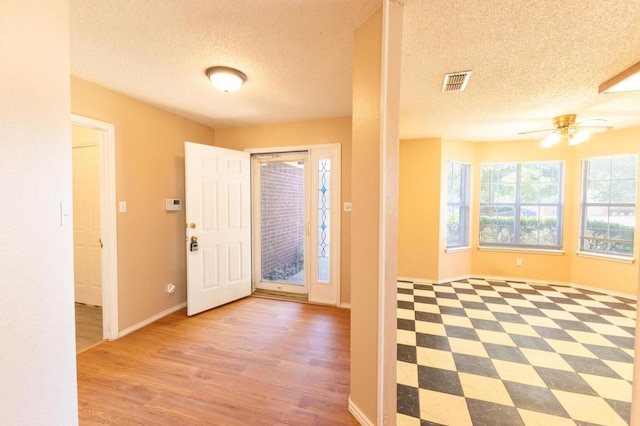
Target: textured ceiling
(531, 60)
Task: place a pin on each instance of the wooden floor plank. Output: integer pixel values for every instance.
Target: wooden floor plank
(253, 362)
(88, 326)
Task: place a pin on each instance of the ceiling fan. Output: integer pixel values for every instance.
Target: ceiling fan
(566, 128)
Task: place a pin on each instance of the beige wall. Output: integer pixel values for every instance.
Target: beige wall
(149, 145)
(313, 132)
(421, 258)
(38, 368)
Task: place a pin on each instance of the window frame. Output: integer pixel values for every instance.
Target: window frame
(518, 206)
(464, 206)
(584, 205)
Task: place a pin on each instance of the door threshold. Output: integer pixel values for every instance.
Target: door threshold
(282, 295)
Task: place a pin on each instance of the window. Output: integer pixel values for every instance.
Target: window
(608, 204)
(458, 204)
(521, 205)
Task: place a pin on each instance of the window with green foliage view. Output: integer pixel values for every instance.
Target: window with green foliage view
(609, 204)
(521, 204)
(458, 189)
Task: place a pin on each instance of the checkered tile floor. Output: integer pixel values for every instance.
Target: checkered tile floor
(512, 353)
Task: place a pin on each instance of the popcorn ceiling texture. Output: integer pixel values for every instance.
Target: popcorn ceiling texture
(296, 54)
(531, 60)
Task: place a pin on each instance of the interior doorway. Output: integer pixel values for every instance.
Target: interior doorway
(87, 238)
(281, 222)
(98, 250)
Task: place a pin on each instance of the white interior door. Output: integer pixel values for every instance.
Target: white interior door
(218, 216)
(87, 248)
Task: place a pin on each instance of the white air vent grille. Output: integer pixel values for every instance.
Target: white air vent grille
(456, 81)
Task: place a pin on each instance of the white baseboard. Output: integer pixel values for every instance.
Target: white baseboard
(360, 417)
(149, 320)
(526, 280)
(345, 305)
(609, 292)
(416, 280)
(520, 279)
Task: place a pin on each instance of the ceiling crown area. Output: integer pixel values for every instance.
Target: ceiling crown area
(530, 60)
(296, 54)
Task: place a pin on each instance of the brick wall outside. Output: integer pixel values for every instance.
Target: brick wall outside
(282, 198)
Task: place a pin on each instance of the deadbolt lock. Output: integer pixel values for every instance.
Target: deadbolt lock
(193, 246)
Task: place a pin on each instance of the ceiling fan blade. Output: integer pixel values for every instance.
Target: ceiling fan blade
(589, 120)
(553, 129)
(594, 127)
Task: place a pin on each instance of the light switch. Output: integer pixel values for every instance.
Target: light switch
(122, 206)
(65, 214)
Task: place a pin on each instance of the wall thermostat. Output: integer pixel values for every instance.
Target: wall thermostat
(172, 204)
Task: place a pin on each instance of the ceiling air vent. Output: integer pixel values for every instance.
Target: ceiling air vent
(456, 81)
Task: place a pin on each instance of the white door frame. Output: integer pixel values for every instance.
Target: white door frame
(256, 217)
(107, 222)
(337, 199)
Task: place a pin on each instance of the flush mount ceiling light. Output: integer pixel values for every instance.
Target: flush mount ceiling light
(226, 79)
(627, 81)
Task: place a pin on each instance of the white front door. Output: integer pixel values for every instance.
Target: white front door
(218, 216)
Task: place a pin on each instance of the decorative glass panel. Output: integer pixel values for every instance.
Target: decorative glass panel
(324, 211)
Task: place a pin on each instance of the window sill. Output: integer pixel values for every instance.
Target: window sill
(457, 249)
(609, 257)
(554, 252)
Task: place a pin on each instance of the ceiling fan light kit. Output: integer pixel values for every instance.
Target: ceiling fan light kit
(566, 129)
(226, 79)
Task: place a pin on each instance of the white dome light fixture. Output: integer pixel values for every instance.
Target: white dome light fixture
(226, 79)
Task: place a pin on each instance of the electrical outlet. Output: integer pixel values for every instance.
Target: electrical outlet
(518, 262)
(171, 288)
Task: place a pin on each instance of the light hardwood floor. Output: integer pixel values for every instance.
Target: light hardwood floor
(253, 362)
(88, 326)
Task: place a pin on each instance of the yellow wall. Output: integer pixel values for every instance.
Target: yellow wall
(313, 132)
(365, 226)
(419, 208)
(84, 136)
(421, 258)
(621, 277)
(149, 168)
(503, 264)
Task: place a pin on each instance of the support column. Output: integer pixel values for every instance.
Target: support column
(375, 157)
